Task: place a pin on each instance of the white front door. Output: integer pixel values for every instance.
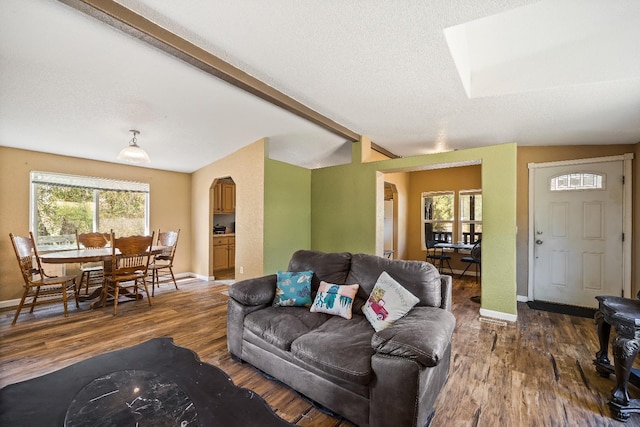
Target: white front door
(578, 232)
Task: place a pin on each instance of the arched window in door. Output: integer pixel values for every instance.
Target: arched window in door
(577, 181)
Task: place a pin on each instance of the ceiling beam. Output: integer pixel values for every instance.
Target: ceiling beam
(138, 26)
(128, 21)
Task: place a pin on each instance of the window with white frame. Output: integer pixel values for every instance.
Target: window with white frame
(470, 216)
(438, 216)
(61, 204)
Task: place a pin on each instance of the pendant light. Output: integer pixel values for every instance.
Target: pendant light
(133, 153)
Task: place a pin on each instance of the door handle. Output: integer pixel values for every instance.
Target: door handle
(538, 242)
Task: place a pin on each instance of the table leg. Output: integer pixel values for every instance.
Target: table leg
(602, 362)
(625, 351)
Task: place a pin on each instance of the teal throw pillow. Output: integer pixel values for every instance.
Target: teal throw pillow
(335, 299)
(293, 289)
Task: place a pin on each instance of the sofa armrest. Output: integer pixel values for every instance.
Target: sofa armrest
(424, 335)
(252, 292)
(446, 286)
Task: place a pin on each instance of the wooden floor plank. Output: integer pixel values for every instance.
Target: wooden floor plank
(536, 372)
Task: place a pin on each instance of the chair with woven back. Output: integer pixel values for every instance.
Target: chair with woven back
(129, 263)
(36, 282)
(92, 273)
(169, 241)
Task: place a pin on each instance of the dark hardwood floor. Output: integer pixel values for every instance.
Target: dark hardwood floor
(536, 372)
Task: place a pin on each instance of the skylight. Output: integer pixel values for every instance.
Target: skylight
(544, 45)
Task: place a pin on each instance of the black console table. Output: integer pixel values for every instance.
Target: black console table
(624, 315)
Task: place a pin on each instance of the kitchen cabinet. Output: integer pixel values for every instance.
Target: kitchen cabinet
(224, 197)
(224, 252)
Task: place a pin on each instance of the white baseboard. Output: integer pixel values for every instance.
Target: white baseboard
(14, 302)
(498, 315)
(522, 298)
(10, 303)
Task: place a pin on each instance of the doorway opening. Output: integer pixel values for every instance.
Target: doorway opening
(222, 236)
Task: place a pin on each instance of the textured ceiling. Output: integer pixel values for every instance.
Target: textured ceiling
(539, 73)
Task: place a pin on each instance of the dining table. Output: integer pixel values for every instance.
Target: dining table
(454, 246)
(103, 255)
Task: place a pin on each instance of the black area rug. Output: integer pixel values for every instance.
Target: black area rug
(571, 310)
(43, 401)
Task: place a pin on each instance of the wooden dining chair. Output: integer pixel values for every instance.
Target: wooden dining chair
(92, 273)
(36, 282)
(129, 264)
(164, 260)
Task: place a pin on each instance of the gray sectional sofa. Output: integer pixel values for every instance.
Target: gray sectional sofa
(386, 378)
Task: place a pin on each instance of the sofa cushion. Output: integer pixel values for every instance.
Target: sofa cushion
(330, 267)
(340, 347)
(334, 299)
(418, 277)
(388, 302)
(293, 289)
(424, 335)
(280, 326)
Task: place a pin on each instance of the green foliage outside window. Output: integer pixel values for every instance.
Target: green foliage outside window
(61, 210)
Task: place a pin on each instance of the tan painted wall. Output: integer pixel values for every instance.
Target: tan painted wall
(528, 155)
(170, 203)
(449, 179)
(246, 167)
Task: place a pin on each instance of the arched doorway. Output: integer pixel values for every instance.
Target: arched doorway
(222, 216)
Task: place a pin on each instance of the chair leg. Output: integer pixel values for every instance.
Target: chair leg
(24, 296)
(64, 299)
(449, 265)
(153, 282)
(174, 278)
(146, 289)
(465, 270)
(76, 292)
(35, 297)
(115, 297)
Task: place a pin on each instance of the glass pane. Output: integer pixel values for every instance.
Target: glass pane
(438, 207)
(470, 207)
(577, 181)
(60, 211)
(440, 231)
(122, 211)
(471, 232)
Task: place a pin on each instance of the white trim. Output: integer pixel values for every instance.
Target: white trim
(627, 156)
(522, 298)
(627, 211)
(498, 315)
(10, 303)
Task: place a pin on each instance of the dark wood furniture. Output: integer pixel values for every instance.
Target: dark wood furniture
(129, 263)
(36, 282)
(624, 315)
(164, 260)
(92, 273)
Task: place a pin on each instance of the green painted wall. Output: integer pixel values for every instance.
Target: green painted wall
(344, 217)
(287, 213)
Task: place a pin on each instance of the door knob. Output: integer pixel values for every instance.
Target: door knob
(538, 242)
